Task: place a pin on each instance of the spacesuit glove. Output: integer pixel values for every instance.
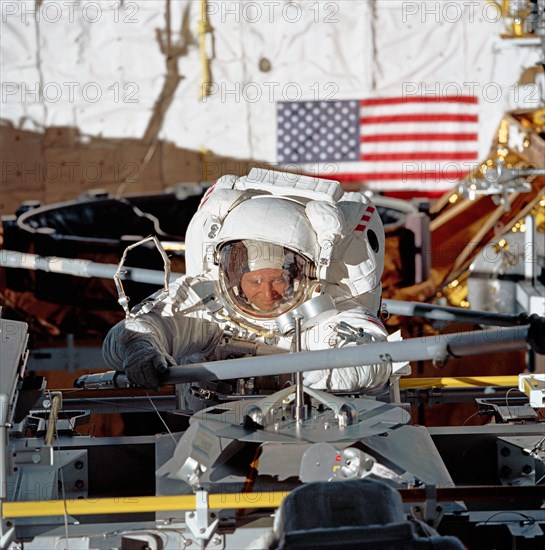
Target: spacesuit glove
(145, 364)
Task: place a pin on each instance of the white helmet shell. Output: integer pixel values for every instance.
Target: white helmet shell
(274, 220)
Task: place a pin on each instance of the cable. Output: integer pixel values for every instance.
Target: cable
(141, 214)
(527, 520)
(469, 418)
(119, 405)
(162, 419)
(507, 400)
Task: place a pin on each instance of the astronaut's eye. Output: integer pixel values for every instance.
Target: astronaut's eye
(258, 281)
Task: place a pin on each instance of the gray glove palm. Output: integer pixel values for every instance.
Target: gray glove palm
(145, 365)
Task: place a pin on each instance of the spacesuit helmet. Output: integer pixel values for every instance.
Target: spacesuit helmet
(266, 254)
(263, 280)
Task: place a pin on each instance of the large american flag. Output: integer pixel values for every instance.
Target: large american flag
(398, 143)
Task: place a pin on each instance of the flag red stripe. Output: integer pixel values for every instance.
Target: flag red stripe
(416, 99)
(373, 138)
(435, 117)
(403, 176)
(469, 155)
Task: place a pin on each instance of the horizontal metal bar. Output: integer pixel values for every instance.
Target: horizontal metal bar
(438, 347)
(451, 314)
(81, 268)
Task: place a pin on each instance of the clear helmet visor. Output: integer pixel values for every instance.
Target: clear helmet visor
(263, 280)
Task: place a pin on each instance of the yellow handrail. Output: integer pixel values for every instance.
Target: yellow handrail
(459, 382)
(132, 505)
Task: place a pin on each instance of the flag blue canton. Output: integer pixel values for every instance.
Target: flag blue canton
(318, 131)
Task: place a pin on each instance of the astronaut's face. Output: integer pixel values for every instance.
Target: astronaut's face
(262, 280)
(265, 288)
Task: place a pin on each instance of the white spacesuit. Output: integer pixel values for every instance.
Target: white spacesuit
(260, 249)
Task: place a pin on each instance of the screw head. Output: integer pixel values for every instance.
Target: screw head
(505, 451)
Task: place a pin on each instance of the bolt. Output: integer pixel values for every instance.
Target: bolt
(202, 530)
(79, 484)
(216, 541)
(191, 514)
(78, 465)
(212, 515)
(505, 451)
(527, 469)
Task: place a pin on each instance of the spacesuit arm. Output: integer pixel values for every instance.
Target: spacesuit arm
(348, 328)
(164, 336)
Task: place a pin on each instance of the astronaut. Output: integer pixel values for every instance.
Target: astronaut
(261, 250)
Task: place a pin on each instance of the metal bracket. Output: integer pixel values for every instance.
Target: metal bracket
(42, 455)
(395, 390)
(349, 333)
(202, 523)
(7, 534)
(499, 181)
(430, 512)
(525, 528)
(508, 409)
(533, 385)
